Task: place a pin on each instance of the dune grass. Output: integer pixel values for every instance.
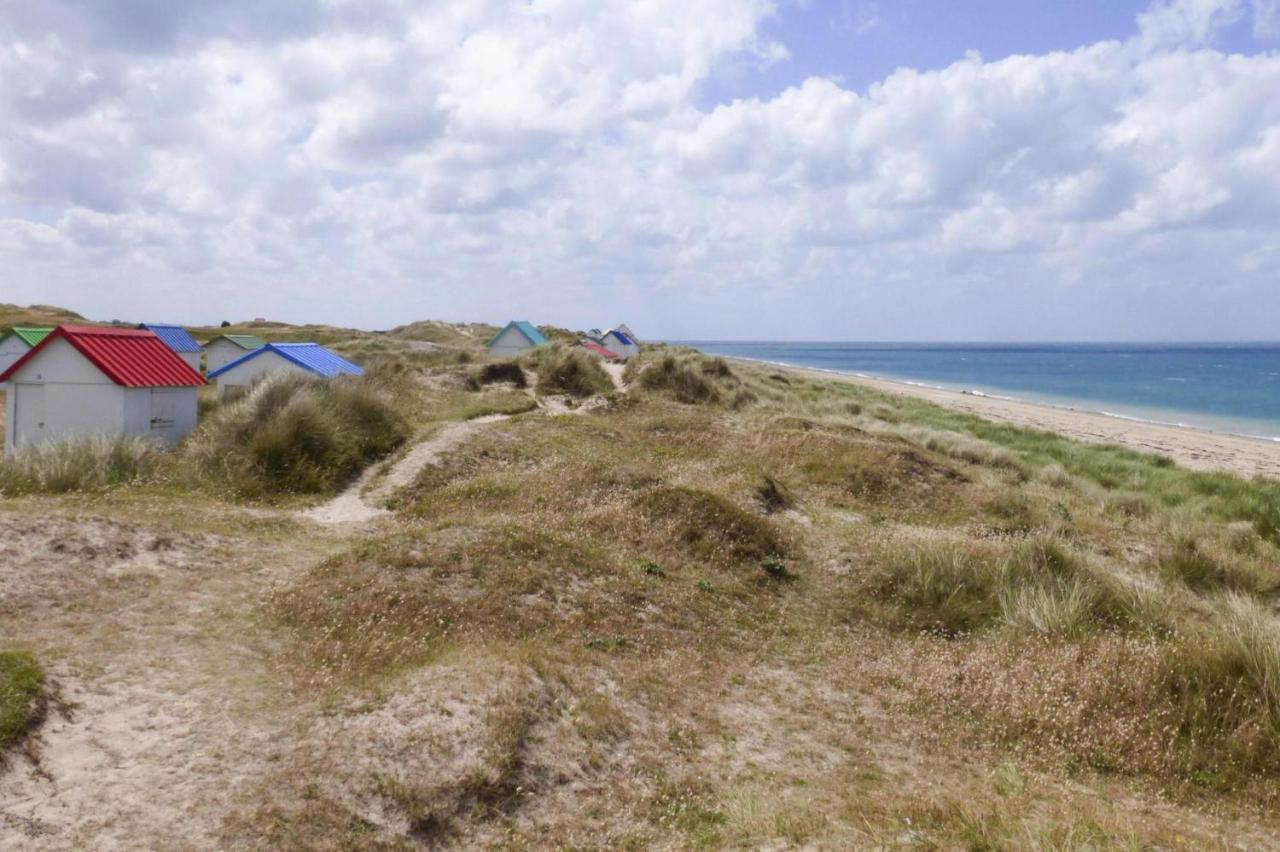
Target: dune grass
(21, 681)
(570, 370)
(85, 464)
(294, 435)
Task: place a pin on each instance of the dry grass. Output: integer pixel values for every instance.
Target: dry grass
(742, 608)
(82, 465)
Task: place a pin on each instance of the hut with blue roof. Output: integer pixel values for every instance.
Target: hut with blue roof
(179, 340)
(518, 336)
(620, 342)
(302, 359)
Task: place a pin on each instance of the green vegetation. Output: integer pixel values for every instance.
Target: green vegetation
(21, 680)
(294, 435)
(570, 370)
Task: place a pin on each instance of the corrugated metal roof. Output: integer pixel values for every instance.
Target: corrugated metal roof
(133, 358)
(599, 350)
(309, 356)
(29, 335)
(175, 337)
(621, 336)
(528, 329)
(247, 342)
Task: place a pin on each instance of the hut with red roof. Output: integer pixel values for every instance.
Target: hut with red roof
(89, 380)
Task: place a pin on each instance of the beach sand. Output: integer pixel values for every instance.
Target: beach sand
(1193, 448)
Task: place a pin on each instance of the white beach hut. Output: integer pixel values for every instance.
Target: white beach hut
(303, 359)
(518, 336)
(225, 348)
(618, 341)
(81, 381)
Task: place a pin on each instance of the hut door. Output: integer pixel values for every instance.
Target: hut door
(28, 414)
(164, 409)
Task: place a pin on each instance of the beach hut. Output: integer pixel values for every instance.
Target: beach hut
(622, 327)
(89, 380)
(596, 349)
(17, 342)
(225, 348)
(616, 340)
(303, 359)
(179, 340)
(518, 336)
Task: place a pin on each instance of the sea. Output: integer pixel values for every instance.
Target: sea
(1232, 388)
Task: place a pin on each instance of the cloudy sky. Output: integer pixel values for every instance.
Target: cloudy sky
(783, 169)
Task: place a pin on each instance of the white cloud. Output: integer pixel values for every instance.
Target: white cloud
(478, 158)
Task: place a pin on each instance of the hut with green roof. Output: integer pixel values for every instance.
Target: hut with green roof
(17, 341)
(225, 348)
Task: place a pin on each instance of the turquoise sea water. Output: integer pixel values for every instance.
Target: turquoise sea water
(1224, 387)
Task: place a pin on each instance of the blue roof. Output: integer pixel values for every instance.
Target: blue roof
(618, 334)
(175, 337)
(310, 356)
(526, 328)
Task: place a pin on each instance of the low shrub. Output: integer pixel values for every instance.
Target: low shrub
(501, 371)
(573, 372)
(21, 681)
(296, 435)
(84, 464)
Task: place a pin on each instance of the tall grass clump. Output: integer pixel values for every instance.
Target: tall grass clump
(1037, 587)
(21, 680)
(82, 464)
(571, 371)
(1226, 683)
(680, 379)
(297, 435)
(500, 372)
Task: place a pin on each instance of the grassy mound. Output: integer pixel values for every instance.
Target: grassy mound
(86, 464)
(711, 527)
(680, 379)
(294, 435)
(21, 680)
(571, 371)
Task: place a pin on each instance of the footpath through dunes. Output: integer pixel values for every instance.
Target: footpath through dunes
(366, 499)
(165, 699)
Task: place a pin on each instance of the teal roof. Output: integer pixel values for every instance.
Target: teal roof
(528, 329)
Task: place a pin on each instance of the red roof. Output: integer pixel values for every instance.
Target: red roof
(599, 350)
(131, 357)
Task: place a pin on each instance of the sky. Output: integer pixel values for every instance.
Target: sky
(1006, 170)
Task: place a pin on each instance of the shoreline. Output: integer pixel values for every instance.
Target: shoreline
(1189, 446)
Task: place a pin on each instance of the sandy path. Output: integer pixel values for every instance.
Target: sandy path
(173, 704)
(1194, 448)
(361, 503)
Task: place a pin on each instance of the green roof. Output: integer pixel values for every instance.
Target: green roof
(28, 334)
(244, 341)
